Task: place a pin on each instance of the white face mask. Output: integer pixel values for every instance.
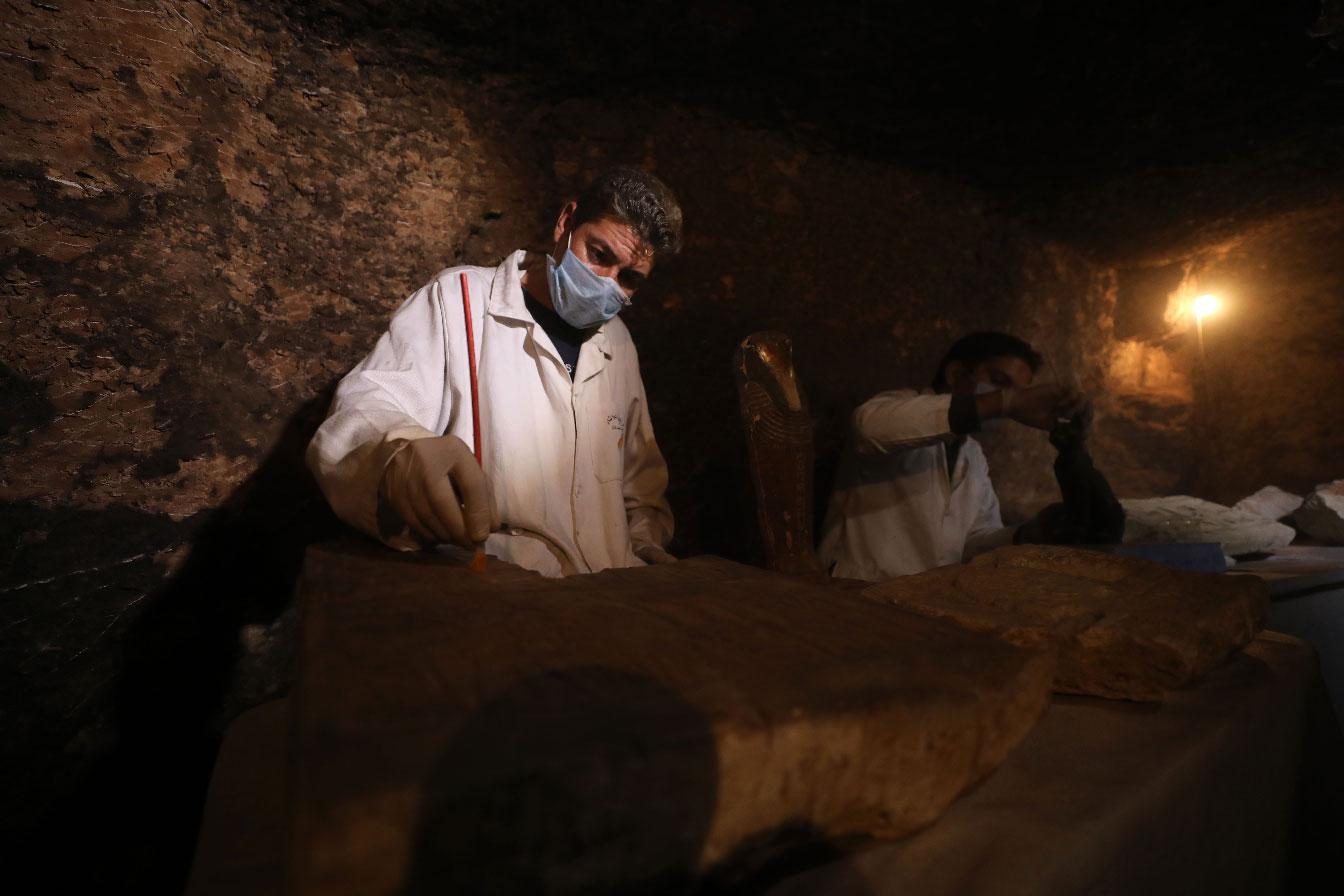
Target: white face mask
(581, 296)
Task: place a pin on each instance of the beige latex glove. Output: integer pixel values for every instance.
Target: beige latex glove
(1041, 407)
(439, 489)
(652, 553)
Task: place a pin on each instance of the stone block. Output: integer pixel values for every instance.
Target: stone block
(1119, 627)
(1270, 502)
(504, 733)
(1321, 516)
(1181, 518)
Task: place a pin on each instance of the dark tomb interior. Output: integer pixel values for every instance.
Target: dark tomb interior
(210, 210)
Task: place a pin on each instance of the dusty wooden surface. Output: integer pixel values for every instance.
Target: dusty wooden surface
(1121, 627)
(530, 735)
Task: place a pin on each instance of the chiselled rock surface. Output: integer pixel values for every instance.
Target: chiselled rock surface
(1270, 502)
(507, 733)
(1321, 516)
(1120, 627)
(1181, 518)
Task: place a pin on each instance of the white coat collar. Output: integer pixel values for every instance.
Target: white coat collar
(506, 298)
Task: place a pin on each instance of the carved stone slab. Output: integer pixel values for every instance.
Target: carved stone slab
(1270, 502)
(1181, 518)
(502, 733)
(1120, 627)
(1321, 516)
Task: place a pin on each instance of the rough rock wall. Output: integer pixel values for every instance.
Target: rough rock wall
(1256, 404)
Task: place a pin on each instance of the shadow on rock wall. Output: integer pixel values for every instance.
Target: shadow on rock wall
(213, 640)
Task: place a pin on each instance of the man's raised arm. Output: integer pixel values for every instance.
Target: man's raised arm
(900, 420)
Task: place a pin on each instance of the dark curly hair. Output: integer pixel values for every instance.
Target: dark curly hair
(635, 197)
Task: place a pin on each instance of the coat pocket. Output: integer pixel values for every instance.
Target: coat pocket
(609, 449)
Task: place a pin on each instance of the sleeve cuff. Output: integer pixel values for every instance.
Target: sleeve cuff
(962, 417)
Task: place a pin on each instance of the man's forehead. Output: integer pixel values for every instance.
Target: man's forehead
(621, 237)
(1009, 364)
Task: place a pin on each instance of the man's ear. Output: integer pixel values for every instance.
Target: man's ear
(955, 374)
(563, 222)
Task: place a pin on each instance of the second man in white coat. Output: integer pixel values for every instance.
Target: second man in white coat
(913, 489)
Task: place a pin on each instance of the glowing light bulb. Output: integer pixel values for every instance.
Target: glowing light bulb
(1205, 305)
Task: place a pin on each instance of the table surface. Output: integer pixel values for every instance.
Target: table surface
(1297, 568)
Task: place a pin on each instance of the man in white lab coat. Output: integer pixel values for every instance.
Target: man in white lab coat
(570, 478)
(913, 490)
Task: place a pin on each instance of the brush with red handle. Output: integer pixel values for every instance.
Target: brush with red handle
(478, 560)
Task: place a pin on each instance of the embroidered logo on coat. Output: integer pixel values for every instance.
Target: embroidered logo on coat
(616, 422)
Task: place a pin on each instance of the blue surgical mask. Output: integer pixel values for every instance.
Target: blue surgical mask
(581, 297)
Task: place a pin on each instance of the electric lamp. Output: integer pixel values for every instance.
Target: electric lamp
(1205, 305)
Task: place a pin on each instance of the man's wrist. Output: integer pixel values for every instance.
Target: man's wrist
(963, 414)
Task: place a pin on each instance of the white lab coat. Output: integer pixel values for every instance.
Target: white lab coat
(573, 464)
(894, 511)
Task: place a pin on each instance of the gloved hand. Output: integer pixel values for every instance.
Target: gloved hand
(652, 553)
(1070, 432)
(1042, 406)
(440, 491)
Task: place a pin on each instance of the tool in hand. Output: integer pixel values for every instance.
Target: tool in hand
(478, 559)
